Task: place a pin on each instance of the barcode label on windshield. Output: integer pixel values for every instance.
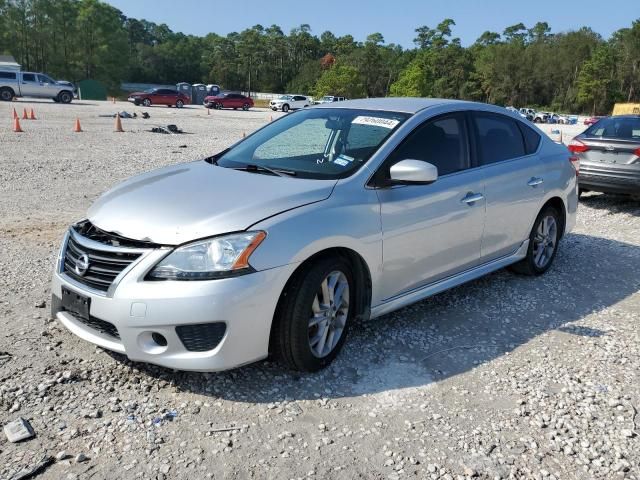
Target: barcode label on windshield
(376, 121)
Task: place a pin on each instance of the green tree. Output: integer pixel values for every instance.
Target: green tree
(595, 80)
(343, 80)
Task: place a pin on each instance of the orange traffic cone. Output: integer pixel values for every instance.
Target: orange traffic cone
(15, 114)
(77, 127)
(118, 125)
(25, 115)
(32, 116)
(16, 125)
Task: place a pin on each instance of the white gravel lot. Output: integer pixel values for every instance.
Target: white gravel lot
(505, 377)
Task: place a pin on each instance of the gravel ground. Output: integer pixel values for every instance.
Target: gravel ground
(505, 377)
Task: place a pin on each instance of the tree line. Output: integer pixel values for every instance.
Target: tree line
(574, 71)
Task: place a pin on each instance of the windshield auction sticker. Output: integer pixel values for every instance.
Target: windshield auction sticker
(376, 121)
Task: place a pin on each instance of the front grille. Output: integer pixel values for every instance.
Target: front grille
(104, 265)
(201, 337)
(101, 326)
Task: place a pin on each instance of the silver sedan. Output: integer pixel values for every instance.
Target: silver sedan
(328, 216)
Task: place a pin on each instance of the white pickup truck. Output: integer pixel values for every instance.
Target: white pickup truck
(28, 84)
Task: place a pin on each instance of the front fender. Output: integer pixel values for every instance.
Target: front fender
(344, 220)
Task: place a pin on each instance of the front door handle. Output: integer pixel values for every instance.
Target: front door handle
(535, 181)
(472, 198)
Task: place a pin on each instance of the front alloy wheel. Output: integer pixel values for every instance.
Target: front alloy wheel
(313, 315)
(330, 310)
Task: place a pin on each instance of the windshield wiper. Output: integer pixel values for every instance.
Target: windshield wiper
(250, 167)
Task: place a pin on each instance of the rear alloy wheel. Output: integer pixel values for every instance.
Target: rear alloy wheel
(543, 243)
(245, 107)
(314, 315)
(285, 108)
(179, 104)
(6, 94)
(146, 102)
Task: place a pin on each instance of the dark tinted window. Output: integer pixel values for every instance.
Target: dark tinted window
(499, 138)
(531, 138)
(441, 142)
(11, 75)
(616, 127)
(28, 77)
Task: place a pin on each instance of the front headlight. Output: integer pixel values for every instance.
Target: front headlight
(208, 259)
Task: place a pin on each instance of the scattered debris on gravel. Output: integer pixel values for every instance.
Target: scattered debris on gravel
(507, 377)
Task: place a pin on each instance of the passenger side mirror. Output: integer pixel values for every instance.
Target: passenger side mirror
(413, 172)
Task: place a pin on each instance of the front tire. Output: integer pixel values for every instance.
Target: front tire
(314, 315)
(146, 102)
(65, 97)
(179, 104)
(285, 108)
(245, 107)
(543, 243)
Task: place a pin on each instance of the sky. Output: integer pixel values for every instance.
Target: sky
(395, 19)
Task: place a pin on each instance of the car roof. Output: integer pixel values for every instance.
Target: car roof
(400, 104)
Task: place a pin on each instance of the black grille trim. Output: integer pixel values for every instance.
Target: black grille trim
(201, 337)
(99, 325)
(104, 265)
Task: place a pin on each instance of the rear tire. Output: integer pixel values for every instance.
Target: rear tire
(6, 94)
(543, 244)
(310, 328)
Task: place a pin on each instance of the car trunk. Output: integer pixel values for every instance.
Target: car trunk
(612, 151)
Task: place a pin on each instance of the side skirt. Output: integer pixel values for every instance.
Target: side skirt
(420, 293)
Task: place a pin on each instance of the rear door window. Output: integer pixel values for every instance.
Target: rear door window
(531, 138)
(498, 138)
(8, 75)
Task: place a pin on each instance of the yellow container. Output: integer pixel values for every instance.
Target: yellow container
(626, 109)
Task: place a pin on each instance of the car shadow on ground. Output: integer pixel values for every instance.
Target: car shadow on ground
(612, 203)
(446, 335)
(25, 101)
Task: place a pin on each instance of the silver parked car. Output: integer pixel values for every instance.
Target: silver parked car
(338, 213)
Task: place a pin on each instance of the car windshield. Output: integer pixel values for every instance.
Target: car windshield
(150, 90)
(627, 128)
(327, 98)
(318, 143)
(284, 97)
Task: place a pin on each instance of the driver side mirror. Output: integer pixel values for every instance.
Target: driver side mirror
(413, 172)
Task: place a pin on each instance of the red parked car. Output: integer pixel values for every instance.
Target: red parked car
(159, 96)
(228, 100)
(591, 120)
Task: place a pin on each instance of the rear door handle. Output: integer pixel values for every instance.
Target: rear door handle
(472, 198)
(535, 181)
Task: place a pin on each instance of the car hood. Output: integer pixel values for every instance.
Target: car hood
(189, 201)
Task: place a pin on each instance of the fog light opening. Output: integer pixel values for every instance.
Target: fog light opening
(159, 339)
